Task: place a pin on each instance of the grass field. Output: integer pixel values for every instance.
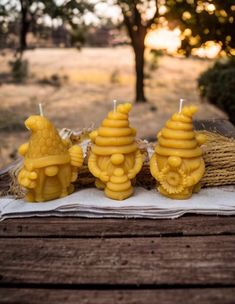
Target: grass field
(77, 89)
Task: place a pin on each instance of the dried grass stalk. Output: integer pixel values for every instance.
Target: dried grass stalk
(219, 156)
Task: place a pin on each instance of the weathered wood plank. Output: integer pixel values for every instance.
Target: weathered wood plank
(55, 296)
(136, 261)
(221, 126)
(71, 227)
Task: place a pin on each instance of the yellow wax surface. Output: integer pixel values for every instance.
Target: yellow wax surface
(50, 165)
(115, 159)
(99, 150)
(177, 163)
(114, 141)
(182, 144)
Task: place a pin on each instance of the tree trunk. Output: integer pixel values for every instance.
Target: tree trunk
(137, 32)
(139, 69)
(25, 24)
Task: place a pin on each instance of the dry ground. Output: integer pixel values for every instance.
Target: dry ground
(88, 82)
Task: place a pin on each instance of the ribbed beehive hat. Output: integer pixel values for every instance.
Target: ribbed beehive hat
(45, 143)
(115, 135)
(178, 138)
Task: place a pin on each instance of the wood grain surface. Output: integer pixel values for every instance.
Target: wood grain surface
(72, 260)
(119, 261)
(144, 296)
(81, 227)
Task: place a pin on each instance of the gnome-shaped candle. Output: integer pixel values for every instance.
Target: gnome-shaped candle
(115, 158)
(177, 162)
(50, 164)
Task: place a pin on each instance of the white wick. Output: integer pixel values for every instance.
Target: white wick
(40, 109)
(114, 105)
(181, 104)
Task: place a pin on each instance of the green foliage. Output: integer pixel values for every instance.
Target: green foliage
(78, 36)
(71, 11)
(217, 84)
(202, 21)
(19, 69)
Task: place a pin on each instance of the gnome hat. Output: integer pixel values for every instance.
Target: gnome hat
(115, 136)
(178, 138)
(45, 145)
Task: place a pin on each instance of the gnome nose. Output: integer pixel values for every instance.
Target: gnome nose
(174, 161)
(117, 159)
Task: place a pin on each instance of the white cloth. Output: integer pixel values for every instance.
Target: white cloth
(143, 204)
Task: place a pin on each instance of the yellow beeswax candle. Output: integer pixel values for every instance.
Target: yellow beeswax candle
(50, 163)
(177, 162)
(115, 158)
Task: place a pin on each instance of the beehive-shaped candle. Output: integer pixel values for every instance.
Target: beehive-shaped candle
(115, 158)
(50, 164)
(177, 162)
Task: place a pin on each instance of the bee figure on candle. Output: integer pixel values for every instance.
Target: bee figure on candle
(50, 163)
(115, 158)
(177, 163)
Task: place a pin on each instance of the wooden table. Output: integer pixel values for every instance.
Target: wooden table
(72, 260)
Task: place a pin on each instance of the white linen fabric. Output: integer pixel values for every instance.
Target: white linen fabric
(92, 203)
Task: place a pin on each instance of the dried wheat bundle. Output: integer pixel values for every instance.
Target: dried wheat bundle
(219, 156)
(8, 180)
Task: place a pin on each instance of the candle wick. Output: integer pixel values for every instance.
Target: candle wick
(181, 104)
(40, 109)
(114, 105)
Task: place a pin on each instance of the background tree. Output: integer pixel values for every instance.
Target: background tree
(29, 12)
(201, 21)
(137, 21)
(71, 12)
(27, 16)
(8, 15)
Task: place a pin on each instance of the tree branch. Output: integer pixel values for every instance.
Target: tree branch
(156, 15)
(128, 23)
(137, 17)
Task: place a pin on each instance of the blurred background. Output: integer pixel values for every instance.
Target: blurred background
(76, 56)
